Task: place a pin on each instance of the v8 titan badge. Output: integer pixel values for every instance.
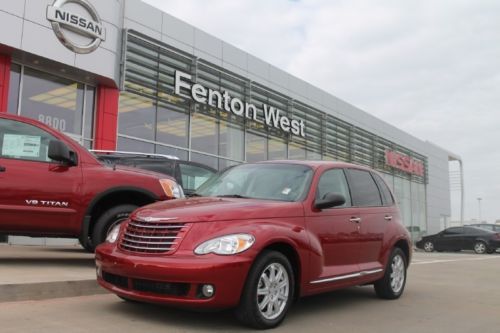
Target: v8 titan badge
(77, 25)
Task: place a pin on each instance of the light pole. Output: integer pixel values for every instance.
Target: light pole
(479, 207)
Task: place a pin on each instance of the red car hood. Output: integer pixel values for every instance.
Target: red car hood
(208, 209)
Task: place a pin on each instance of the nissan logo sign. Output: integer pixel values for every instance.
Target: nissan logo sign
(77, 25)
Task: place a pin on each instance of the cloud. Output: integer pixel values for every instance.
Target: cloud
(431, 68)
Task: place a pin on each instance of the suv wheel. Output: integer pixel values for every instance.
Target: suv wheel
(480, 247)
(108, 220)
(392, 284)
(268, 291)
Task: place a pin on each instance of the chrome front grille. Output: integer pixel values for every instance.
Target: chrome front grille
(152, 237)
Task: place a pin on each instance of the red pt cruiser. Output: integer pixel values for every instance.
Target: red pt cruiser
(257, 236)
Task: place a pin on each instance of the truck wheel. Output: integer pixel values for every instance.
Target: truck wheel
(268, 291)
(108, 220)
(392, 284)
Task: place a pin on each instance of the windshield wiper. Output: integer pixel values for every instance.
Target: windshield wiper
(190, 195)
(232, 196)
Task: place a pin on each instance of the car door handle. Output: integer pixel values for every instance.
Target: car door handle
(2, 168)
(355, 219)
(388, 218)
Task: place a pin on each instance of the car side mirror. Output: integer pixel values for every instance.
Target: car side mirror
(330, 200)
(59, 151)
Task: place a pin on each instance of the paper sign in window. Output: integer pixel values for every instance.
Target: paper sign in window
(21, 145)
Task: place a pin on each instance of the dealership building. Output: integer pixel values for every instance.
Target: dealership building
(120, 74)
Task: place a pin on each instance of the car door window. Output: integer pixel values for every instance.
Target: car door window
(364, 191)
(22, 141)
(334, 181)
(454, 231)
(387, 198)
(193, 176)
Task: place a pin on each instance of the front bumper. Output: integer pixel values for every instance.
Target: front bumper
(173, 279)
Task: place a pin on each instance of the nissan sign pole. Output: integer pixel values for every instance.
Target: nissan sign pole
(89, 26)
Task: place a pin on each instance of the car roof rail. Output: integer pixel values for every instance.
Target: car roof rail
(110, 152)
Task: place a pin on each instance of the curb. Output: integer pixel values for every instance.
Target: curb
(49, 290)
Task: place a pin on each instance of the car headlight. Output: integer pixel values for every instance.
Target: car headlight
(171, 188)
(226, 245)
(113, 234)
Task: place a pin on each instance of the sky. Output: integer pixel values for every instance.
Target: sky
(428, 67)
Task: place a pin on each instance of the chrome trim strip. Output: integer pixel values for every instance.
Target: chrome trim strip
(146, 248)
(373, 271)
(135, 241)
(150, 237)
(180, 226)
(347, 276)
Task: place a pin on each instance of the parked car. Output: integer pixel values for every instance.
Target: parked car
(487, 226)
(190, 175)
(461, 238)
(257, 236)
(51, 186)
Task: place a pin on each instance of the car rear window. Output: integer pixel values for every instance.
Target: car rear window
(364, 191)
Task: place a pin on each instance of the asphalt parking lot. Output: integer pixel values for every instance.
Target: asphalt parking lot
(446, 292)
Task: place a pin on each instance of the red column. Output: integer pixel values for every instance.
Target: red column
(4, 82)
(106, 124)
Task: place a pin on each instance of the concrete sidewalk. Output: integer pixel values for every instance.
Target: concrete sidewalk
(40, 272)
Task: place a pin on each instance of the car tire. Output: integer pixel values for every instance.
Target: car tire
(268, 291)
(480, 247)
(107, 220)
(392, 284)
(491, 251)
(429, 246)
(86, 244)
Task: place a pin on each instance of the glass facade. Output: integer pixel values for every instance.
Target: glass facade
(63, 104)
(152, 118)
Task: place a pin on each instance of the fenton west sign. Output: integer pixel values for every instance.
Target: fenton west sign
(223, 101)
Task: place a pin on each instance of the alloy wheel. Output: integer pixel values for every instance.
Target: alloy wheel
(428, 247)
(273, 291)
(479, 248)
(397, 273)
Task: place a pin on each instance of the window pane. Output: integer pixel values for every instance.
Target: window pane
(231, 141)
(172, 127)
(126, 144)
(364, 191)
(180, 153)
(296, 152)
(54, 101)
(136, 116)
(89, 113)
(256, 148)
(277, 149)
(15, 78)
(24, 142)
(205, 159)
(403, 198)
(313, 156)
(204, 134)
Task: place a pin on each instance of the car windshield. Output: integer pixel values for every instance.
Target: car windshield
(283, 182)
